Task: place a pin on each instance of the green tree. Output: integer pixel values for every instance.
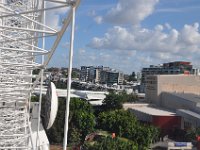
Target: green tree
(36, 71)
(112, 101)
(75, 74)
(81, 116)
(115, 101)
(34, 98)
(60, 84)
(75, 136)
(128, 97)
(81, 121)
(124, 124)
(107, 143)
(132, 77)
(119, 121)
(192, 134)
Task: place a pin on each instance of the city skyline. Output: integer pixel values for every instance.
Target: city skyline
(126, 34)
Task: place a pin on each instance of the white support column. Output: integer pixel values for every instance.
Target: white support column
(41, 83)
(69, 80)
(21, 28)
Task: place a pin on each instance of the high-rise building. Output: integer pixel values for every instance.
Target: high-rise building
(176, 67)
(100, 74)
(84, 73)
(94, 74)
(111, 77)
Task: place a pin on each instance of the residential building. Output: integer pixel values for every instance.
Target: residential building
(84, 75)
(171, 68)
(100, 74)
(111, 77)
(196, 71)
(139, 75)
(94, 74)
(90, 73)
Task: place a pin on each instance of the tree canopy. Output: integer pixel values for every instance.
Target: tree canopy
(113, 119)
(124, 124)
(132, 77)
(192, 134)
(81, 121)
(112, 101)
(108, 143)
(115, 101)
(81, 116)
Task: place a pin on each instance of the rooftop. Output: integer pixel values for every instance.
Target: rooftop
(150, 110)
(188, 113)
(188, 97)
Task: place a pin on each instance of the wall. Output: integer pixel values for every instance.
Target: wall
(141, 116)
(152, 90)
(167, 123)
(179, 83)
(156, 85)
(174, 102)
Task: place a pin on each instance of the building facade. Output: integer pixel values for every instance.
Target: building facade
(178, 93)
(111, 77)
(164, 119)
(100, 74)
(157, 84)
(84, 75)
(171, 68)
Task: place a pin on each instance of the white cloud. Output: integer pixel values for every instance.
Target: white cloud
(177, 9)
(81, 51)
(128, 46)
(167, 25)
(158, 43)
(114, 39)
(130, 11)
(92, 13)
(159, 27)
(98, 19)
(191, 34)
(53, 17)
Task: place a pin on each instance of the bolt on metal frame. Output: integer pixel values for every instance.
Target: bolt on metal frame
(22, 25)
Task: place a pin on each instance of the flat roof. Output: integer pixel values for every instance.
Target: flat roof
(95, 96)
(187, 96)
(189, 113)
(174, 75)
(150, 110)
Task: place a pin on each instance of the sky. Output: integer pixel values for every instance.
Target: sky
(131, 34)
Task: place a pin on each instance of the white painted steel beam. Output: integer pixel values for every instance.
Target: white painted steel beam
(21, 27)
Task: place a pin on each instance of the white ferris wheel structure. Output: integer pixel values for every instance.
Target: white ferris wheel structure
(22, 30)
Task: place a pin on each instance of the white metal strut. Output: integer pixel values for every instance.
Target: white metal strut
(21, 27)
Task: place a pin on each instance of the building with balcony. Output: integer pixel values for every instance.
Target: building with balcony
(84, 75)
(171, 68)
(111, 77)
(100, 74)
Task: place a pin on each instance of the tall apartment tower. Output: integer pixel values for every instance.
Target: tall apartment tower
(100, 74)
(171, 68)
(91, 73)
(111, 77)
(84, 73)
